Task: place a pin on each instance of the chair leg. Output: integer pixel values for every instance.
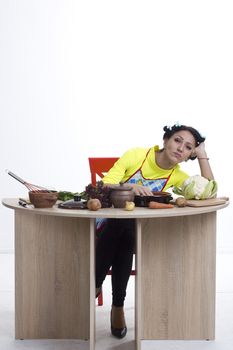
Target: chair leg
(100, 299)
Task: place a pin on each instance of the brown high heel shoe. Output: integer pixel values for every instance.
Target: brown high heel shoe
(118, 326)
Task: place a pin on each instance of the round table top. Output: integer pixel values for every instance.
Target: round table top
(12, 203)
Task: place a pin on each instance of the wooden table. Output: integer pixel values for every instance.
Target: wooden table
(175, 272)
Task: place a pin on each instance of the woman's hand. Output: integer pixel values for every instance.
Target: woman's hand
(200, 151)
(141, 190)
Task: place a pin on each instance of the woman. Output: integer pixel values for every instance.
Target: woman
(146, 170)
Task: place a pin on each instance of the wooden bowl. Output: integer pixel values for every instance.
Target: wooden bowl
(42, 199)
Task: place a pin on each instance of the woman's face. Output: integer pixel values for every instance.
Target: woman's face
(179, 147)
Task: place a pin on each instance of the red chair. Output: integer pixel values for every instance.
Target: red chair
(99, 167)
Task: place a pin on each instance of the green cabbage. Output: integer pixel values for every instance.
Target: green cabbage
(197, 187)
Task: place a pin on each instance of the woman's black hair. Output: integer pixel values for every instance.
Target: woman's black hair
(171, 130)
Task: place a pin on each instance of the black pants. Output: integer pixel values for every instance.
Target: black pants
(115, 248)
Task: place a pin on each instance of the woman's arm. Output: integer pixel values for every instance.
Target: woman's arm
(203, 160)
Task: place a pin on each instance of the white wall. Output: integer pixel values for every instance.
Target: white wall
(94, 78)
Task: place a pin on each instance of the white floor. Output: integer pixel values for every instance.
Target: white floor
(104, 340)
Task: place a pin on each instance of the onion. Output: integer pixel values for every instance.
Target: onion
(93, 204)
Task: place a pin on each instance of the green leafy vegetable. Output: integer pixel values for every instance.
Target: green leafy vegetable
(66, 195)
(197, 187)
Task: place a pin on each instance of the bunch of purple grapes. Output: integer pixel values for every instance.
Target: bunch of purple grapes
(100, 192)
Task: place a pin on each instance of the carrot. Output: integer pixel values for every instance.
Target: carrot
(157, 205)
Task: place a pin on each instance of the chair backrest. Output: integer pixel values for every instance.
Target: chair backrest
(99, 166)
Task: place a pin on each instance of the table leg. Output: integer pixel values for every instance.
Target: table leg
(178, 277)
(54, 261)
(138, 285)
(92, 282)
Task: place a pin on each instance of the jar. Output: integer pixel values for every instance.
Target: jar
(121, 194)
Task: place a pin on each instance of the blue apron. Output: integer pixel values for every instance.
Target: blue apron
(155, 185)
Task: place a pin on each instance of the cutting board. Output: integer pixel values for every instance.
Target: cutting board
(205, 202)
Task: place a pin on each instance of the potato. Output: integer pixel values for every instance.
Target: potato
(93, 204)
(181, 202)
(129, 206)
